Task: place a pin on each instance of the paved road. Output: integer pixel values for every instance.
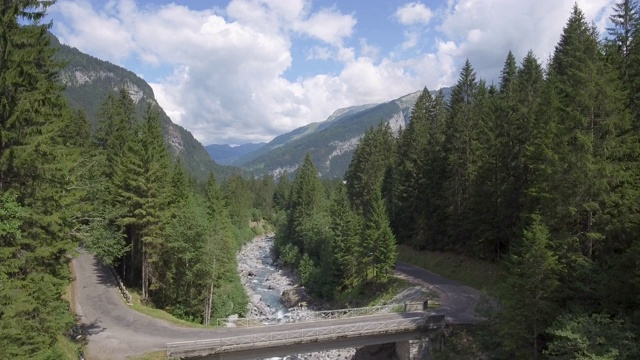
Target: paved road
(457, 301)
(115, 331)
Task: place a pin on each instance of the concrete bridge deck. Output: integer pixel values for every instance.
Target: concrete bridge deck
(116, 332)
(331, 334)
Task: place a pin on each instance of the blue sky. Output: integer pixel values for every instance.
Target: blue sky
(248, 70)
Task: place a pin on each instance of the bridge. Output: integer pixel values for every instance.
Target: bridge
(115, 331)
(323, 330)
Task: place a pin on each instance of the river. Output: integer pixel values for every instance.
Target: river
(265, 282)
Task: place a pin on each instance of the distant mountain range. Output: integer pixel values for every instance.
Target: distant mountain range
(331, 143)
(227, 154)
(88, 80)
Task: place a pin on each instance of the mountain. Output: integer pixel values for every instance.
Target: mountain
(88, 80)
(226, 154)
(331, 143)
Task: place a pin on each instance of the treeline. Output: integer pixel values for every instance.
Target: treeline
(167, 236)
(335, 243)
(40, 171)
(539, 172)
(115, 190)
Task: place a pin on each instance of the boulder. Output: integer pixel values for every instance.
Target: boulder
(294, 297)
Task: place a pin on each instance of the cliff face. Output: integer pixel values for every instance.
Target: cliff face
(89, 80)
(332, 142)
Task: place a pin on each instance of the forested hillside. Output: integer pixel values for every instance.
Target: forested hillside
(89, 80)
(330, 143)
(227, 154)
(539, 173)
(112, 187)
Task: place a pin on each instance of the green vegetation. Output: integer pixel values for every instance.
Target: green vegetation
(156, 355)
(89, 94)
(539, 175)
(365, 295)
(36, 167)
(149, 309)
(110, 184)
(480, 274)
(335, 243)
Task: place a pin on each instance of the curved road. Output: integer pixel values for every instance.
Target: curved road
(115, 331)
(457, 301)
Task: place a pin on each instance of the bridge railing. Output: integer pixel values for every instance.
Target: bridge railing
(300, 315)
(301, 336)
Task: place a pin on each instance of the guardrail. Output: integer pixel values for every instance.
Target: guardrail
(213, 346)
(298, 315)
(123, 290)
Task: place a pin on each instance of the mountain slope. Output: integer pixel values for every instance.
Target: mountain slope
(226, 154)
(331, 143)
(88, 80)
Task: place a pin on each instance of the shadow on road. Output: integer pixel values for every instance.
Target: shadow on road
(103, 274)
(92, 328)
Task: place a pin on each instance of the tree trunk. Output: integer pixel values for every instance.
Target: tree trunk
(207, 319)
(145, 276)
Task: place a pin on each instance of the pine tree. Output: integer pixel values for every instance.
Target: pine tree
(432, 214)
(34, 186)
(528, 293)
(592, 132)
(305, 203)
(461, 149)
(410, 169)
(346, 230)
(621, 49)
(281, 193)
(378, 251)
(371, 160)
(155, 166)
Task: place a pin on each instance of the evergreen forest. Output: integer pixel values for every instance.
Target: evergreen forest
(538, 173)
(114, 190)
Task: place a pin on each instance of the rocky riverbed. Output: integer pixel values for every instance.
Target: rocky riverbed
(265, 282)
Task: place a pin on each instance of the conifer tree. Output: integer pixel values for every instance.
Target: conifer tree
(155, 166)
(34, 186)
(432, 220)
(281, 193)
(370, 162)
(529, 292)
(305, 203)
(378, 251)
(594, 123)
(346, 230)
(410, 169)
(461, 149)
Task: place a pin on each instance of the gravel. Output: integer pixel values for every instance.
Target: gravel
(250, 263)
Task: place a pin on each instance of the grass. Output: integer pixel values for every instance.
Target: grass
(156, 355)
(479, 274)
(369, 295)
(158, 313)
(67, 347)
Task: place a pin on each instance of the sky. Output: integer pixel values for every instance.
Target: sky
(240, 71)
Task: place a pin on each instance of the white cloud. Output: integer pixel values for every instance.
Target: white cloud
(485, 31)
(228, 83)
(413, 13)
(328, 26)
(94, 32)
(411, 39)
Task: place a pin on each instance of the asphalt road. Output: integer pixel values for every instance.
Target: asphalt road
(115, 331)
(457, 301)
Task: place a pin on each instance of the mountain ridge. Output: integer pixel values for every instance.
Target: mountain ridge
(225, 154)
(88, 80)
(331, 142)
